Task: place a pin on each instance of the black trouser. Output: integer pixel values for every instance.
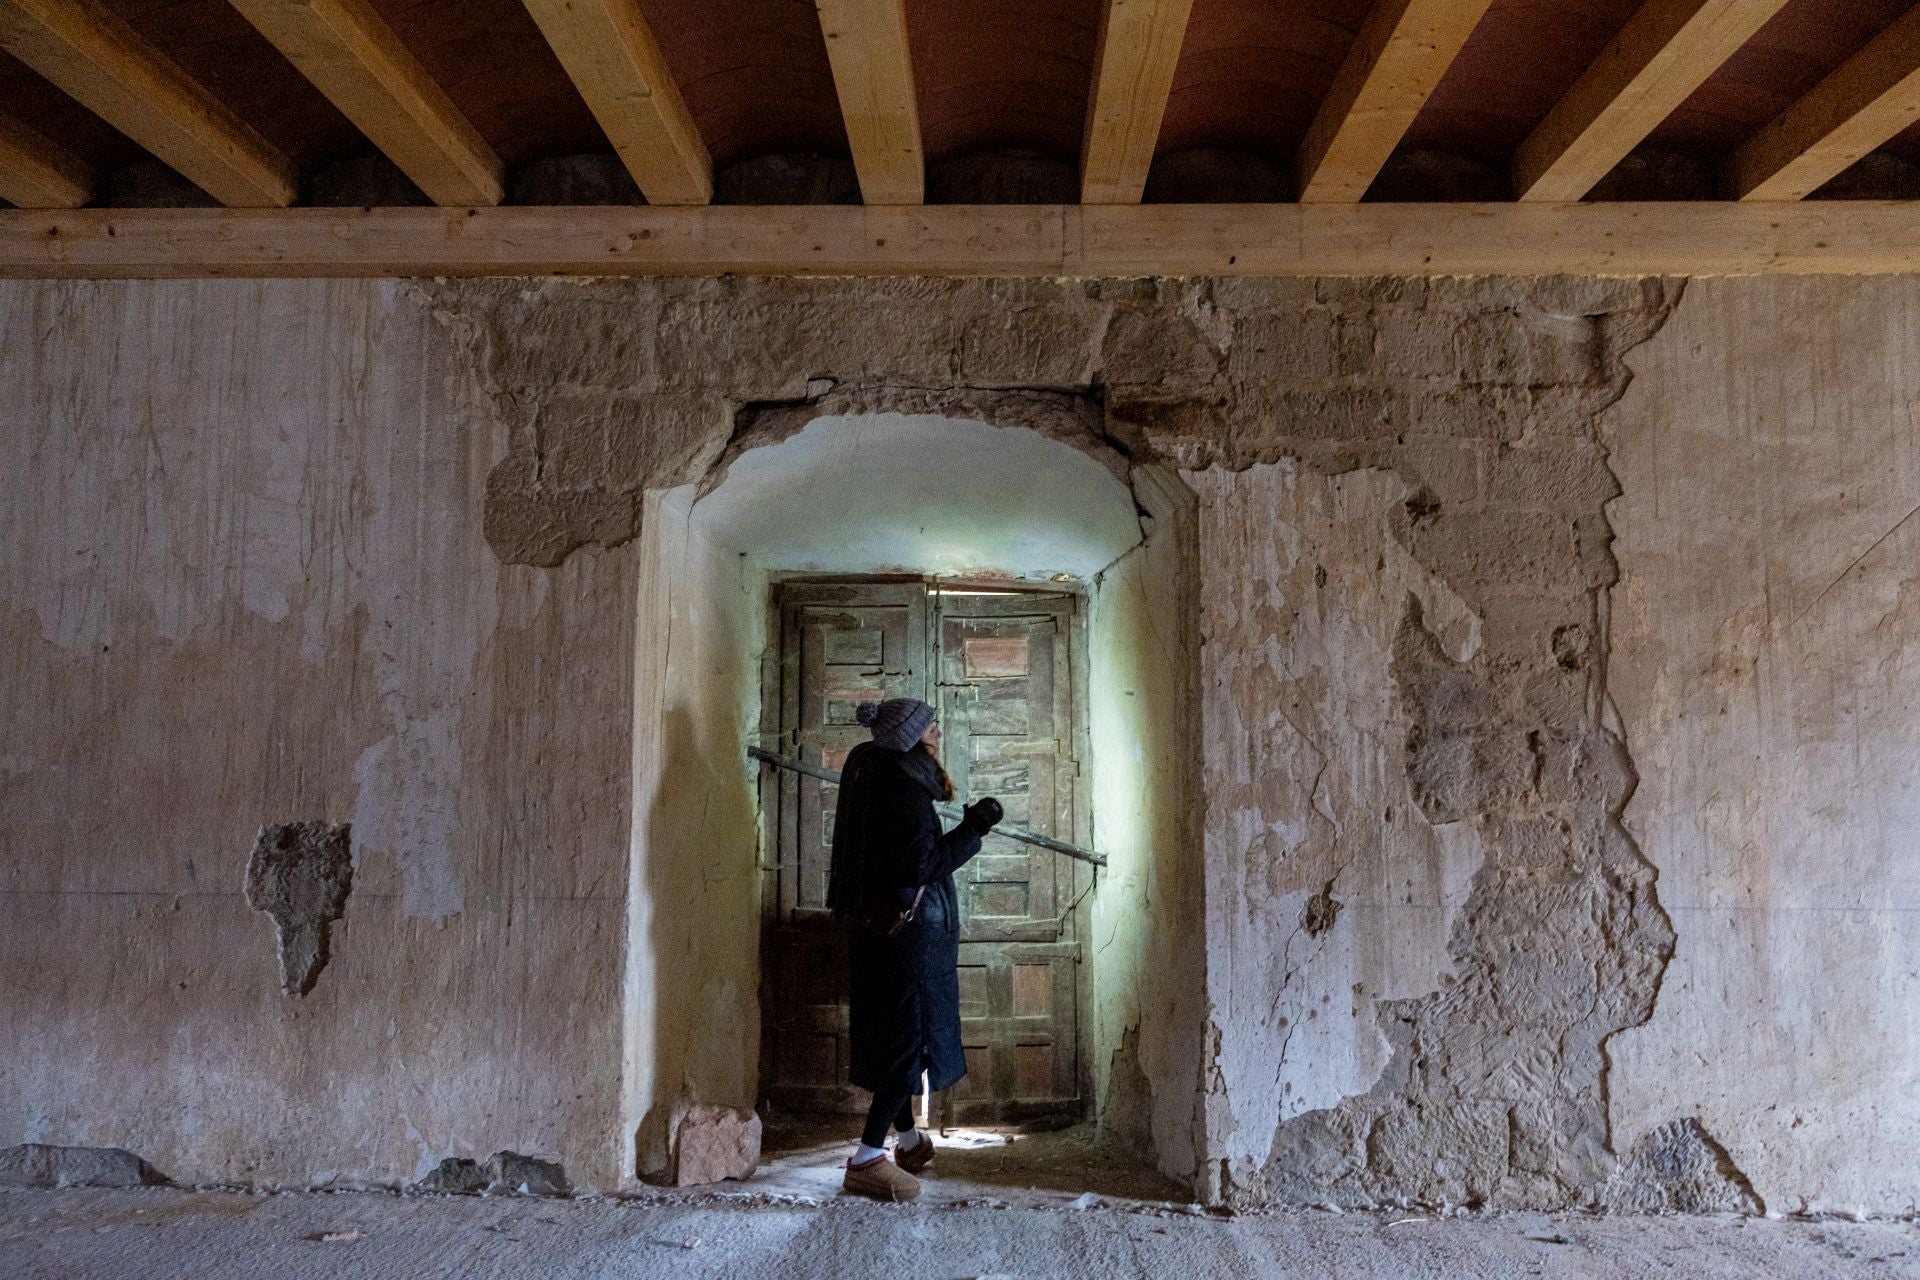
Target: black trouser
(894, 1109)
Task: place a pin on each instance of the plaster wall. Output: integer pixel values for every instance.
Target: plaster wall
(1328, 892)
(1766, 662)
(1146, 905)
(242, 581)
(692, 1008)
(362, 551)
(877, 493)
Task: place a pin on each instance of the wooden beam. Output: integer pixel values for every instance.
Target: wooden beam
(609, 51)
(873, 73)
(1133, 66)
(1871, 98)
(98, 59)
(1666, 51)
(37, 172)
(354, 58)
(1397, 59)
(1608, 239)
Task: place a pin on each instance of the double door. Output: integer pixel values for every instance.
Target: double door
(998, 667)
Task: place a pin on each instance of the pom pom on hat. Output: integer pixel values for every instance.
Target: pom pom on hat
(866, 713)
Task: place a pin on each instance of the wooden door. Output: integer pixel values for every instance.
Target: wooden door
(1007, 706)
(1009, 712)
(841, 644)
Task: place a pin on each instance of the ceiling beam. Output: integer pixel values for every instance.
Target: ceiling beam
(1609, 239)
(98, 59)
(609, 51)
(873, 75)
(1871, 98)
(1133, 64)
(1397, 59)
(355, 59)
(1666, 51)
(37, 172)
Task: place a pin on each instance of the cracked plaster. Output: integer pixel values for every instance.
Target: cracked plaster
(1354, 444)
(1402, 515)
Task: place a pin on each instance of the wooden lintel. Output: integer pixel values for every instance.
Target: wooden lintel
(94, 56)
(1873, 96)
(37, 172)
(873, 76)
(611, 55)
(1720, 238)
(1133, 66)
(1397, 59)
(353, 57)
(1666, 51)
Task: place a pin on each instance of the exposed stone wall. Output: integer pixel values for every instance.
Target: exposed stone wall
(269, 558)
(1425, 918)
(1405, 551)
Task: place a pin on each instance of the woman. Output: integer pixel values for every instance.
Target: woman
(892, 887)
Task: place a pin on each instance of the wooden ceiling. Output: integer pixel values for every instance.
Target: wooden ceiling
(1546, 99)
(259, 104)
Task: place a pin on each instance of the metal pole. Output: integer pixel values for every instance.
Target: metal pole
(948, 811)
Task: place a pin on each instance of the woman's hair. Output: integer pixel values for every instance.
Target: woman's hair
(946, 783)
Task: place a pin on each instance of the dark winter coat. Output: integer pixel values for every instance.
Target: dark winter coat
(904, 991)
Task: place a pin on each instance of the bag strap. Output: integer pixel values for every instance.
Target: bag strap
(913, 908)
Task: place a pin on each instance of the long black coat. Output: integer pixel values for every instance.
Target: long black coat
(904, 991)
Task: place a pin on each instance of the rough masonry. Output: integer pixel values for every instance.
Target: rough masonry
(1402, 469)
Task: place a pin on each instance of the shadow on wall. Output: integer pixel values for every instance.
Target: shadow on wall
(692, 1019)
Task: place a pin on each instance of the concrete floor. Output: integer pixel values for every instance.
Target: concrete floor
(163, 1232)
(1046, 1170)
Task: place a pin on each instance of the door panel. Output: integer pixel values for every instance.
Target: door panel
(841, 644)
(1006, 703)
(1007, 709)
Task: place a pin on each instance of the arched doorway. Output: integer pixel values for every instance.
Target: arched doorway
(967, 560)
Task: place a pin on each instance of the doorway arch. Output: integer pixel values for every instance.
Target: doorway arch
(825, 490)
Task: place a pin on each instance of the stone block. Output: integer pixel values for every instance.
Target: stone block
(713, 1144)
(1269, 419)
(1160, 349)
(1301, 345)
(1362, 293)
(1556, 475)
(1592, 295)
(1030, 344)
(455, 1176)
(1447, 468)
(1456, 1153)
(1417, 344)
(36, 1164)
(1561, 410)
(1505, 551)
(526, 1175)
(1476, 412)
(1678, 1168)
(504, 1173)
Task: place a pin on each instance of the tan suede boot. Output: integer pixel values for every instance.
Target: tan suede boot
(916, 1157)
(881, 1179)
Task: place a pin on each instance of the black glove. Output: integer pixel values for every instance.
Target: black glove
(984, 814)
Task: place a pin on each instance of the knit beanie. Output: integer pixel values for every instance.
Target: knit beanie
(897, 723)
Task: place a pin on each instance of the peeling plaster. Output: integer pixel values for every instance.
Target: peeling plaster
(300, 873)
(1310, 800)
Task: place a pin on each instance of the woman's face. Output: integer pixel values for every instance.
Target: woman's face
(931, 738)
